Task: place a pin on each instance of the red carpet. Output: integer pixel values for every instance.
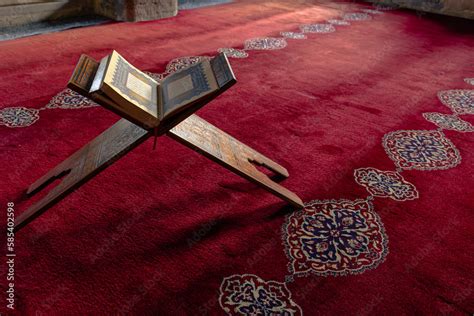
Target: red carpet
(170, 233)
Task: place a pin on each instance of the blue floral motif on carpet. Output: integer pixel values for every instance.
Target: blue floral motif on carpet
(248, 294)
(335, 237)
(421, 150)
(385, 184)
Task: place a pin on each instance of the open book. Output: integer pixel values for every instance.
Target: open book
(117, 85)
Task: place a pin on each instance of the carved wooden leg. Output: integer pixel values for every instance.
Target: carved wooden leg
(101, 152)
(199, 135)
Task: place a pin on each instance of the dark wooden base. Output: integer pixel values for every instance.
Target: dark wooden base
(123, 136)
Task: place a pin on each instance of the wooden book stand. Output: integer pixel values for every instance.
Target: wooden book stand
(192, 131)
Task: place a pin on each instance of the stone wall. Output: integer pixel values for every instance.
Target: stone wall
(144, 10)
(136, 10)
(20, 12)
(461, 8)
(14, 13)
(113, 9)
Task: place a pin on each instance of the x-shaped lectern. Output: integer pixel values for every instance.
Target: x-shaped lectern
(123, 136)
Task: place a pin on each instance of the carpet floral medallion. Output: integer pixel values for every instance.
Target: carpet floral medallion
(265, 43)
(357, 16)
(334, 237)
(18, 116)
(233, 52)
(447, 121)
(460, 101)
(293, 35)
(180, 63)
(421, 150)
(68, 99)
(385, 184)
(248, 294)
(317, 28)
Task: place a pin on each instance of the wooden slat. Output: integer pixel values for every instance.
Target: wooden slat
(123, 136)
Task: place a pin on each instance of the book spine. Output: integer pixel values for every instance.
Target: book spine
(83, 75)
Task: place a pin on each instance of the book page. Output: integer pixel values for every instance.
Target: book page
(180, 86)
(131, 85)
(222, 71)
(139, 86)
(186, 86)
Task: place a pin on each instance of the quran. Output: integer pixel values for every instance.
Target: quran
(132, 94)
